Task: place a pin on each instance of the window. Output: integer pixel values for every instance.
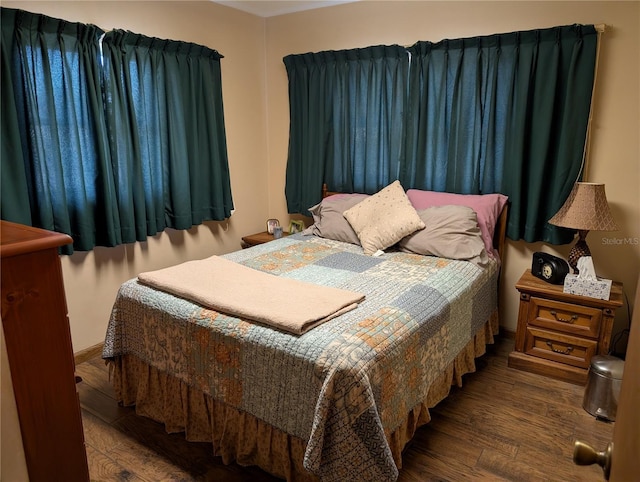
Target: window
(502, 113)
(110, 137)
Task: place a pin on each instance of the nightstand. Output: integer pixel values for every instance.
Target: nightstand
(558, 333)
(258, 238)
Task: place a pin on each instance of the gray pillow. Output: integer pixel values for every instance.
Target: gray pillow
(450, 232)
(328, 221)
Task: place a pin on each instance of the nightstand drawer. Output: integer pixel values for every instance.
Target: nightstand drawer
(570, 350)
(565, 317)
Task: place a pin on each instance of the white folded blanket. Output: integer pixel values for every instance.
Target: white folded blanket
(222, 285)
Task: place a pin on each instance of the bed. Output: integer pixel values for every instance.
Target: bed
(339, 401)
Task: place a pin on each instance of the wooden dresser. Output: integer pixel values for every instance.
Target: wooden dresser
(557, 332)
(38, 339)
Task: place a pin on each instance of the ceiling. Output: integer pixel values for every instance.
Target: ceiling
(267, 8)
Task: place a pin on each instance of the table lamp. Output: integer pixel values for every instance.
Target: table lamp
(586, 209)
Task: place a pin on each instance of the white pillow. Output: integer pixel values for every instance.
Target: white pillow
(384, 218)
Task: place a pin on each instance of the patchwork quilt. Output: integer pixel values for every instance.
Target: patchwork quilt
(342, 385)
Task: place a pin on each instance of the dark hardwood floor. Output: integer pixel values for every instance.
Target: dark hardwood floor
(503, 424)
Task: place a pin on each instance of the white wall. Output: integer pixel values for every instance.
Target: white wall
(13, 465)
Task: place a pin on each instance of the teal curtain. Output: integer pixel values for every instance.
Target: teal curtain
(452, 119)
(346, 121)
(166, 130)
(56, 172)
(14, 205)
(503, 113)
(109, 138)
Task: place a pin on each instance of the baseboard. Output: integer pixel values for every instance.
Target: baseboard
(88, 353)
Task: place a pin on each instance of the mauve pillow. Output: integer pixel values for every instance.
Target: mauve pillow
(328, 221)
(451, 232)
(487, 206)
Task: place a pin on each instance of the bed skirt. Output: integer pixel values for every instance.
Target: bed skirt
(246, 440)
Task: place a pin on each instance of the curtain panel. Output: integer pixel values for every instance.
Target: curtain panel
(501, 113)
(55, 155)
(112, 139)
(166, 132)
(346, 121)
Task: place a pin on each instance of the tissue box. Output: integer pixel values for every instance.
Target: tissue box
(593, 288)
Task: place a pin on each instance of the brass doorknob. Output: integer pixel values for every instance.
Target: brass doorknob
(584, 454)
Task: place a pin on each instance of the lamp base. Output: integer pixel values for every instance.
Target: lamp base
(579, 250)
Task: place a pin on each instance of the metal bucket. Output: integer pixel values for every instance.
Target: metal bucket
(603, 387)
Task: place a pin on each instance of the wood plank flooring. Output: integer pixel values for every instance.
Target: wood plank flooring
(503, 424)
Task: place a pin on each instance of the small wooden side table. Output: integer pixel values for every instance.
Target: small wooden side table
(558, 332)
(258, 238)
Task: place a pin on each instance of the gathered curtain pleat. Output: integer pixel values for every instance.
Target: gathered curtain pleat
(109, 138)
(502, 113)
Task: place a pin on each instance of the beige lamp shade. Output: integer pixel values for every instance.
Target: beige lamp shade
(585, 209)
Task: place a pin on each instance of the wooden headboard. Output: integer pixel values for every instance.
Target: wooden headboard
(326, 192)
(499, 235)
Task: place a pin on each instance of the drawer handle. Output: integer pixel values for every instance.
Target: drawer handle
(564, 320)
(566, 351)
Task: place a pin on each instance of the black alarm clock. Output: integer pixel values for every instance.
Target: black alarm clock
(549, 268)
